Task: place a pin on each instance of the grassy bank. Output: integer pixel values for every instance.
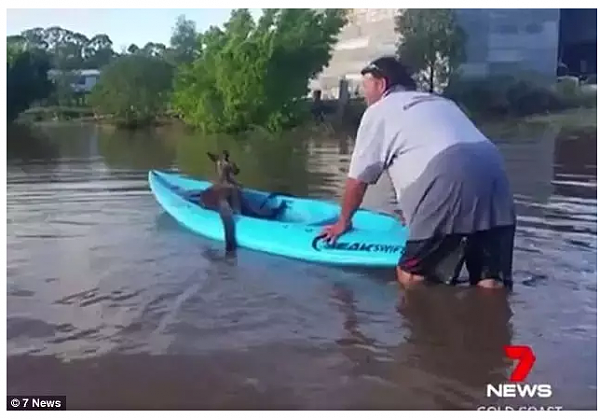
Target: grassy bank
(580, 119)
(570, 118)
(52, 114)
(585, 118)
(573, 121)
(57, 113)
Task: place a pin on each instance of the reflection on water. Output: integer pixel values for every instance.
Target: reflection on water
(112, 303)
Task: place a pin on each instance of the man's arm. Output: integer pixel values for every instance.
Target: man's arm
(369, 159)
(354, 193)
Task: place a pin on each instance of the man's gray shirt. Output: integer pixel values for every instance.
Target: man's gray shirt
(449, 178)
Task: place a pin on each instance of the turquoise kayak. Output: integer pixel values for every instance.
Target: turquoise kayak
(376, 239)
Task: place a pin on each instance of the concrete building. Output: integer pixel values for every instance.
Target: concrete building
(369, 34)
(499, 41)
(577, 44)
(510, 41)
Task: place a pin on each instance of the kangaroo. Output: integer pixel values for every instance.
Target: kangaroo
(225, 196)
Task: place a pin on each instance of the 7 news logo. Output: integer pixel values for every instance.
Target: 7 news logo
(516, 387)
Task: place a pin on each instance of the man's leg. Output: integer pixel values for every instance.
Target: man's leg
(489, 256)
(438, 259)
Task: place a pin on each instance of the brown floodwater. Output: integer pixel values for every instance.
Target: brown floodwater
(114, 305)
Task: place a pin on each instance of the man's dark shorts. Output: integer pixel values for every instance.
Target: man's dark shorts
(487, 255)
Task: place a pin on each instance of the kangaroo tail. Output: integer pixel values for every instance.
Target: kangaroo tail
(226, 214)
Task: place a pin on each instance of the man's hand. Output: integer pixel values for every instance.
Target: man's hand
(331, 232)
(353, 195)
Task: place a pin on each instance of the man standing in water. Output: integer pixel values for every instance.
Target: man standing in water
(449, 179)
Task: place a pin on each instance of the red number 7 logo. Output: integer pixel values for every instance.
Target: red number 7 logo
(525, 357)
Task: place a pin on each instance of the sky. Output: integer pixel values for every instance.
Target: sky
(123, 26)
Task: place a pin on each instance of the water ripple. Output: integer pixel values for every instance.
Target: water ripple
(100, 277)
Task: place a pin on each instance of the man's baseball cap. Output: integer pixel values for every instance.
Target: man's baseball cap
(390, 69)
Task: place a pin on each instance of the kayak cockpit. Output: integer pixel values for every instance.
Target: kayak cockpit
(295, 211)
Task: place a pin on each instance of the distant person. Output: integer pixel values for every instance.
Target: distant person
(449, 179)
(317, 106)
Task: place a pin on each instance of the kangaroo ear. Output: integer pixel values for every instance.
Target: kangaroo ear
(212, 157)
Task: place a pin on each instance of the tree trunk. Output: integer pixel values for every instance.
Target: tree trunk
(431, 74)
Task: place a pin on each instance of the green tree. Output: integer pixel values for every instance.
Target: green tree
(431, 43)
(67, 51)
(256, 73)
(98, 52)
(26, 77)
(152, 49)
(184, 40)
(134, 89)
(133, 49)
(70, 50)
(15, 45)
(35, 38)
(66, 47)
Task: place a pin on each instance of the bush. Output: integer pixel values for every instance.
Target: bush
(516, 96)
(133, 89)
(573, 94)
(256, 72)
(26, 80)
(525, 97)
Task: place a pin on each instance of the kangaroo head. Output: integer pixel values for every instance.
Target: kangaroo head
(225, 168)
